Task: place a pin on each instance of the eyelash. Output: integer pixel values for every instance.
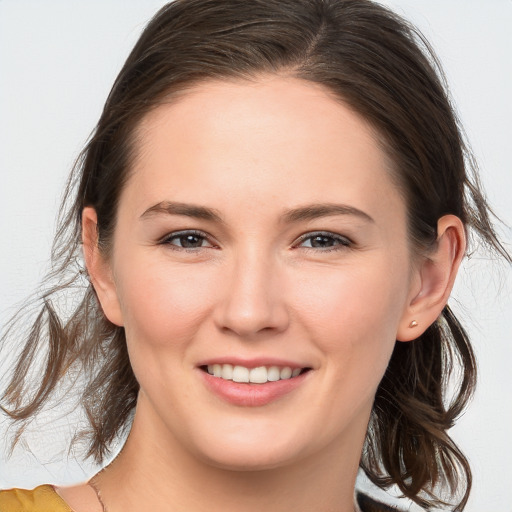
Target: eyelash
(341, 242)
(166, 240)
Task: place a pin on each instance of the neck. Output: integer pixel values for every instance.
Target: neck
(150, 473)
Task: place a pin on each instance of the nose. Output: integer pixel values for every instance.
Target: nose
(252, 302)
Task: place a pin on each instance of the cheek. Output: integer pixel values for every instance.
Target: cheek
(353, 316)
(353, 299)
(161, 304)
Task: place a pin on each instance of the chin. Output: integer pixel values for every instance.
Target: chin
(251, 453)
(249, 460)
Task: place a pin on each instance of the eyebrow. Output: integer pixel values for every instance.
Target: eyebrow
(188, 210)
(308, 212)
(315, 211)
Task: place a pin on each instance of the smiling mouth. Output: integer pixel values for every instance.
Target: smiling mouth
(258, 375)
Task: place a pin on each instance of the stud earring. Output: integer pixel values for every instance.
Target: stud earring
(413, 324)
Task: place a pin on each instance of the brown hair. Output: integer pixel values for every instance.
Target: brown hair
(383, 68)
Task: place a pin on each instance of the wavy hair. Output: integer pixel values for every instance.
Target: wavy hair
(371, 60)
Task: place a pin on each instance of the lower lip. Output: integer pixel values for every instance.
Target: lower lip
(252, 395)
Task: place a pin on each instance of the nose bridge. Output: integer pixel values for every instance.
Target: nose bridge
(253, 300)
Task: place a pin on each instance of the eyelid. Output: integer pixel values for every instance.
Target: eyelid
(345, 242)
(183, 232)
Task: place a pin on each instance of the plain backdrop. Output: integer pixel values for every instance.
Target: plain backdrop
(58, 59)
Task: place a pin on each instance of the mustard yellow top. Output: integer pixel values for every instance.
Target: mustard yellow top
(41, 499)
(45, 499)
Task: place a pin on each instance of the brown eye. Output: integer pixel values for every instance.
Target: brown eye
(324, 241)
(187, 240)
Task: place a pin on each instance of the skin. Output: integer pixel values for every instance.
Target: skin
(254, 286)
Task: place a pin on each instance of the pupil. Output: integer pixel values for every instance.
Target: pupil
(190, 241)
(321, 241)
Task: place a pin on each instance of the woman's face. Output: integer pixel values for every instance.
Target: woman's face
(260, 230)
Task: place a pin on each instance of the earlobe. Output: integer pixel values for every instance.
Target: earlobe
(98, 268)
(434, 279)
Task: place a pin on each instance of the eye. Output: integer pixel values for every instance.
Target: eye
(188, 239)
(323, 241)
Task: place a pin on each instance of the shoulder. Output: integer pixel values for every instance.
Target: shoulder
(45, 499)
(367, 504)
(41, 499)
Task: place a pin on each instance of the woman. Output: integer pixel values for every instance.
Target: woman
(273, 209)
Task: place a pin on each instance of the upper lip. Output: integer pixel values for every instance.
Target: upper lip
(253, 362)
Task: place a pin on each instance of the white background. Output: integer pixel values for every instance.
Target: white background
(58, 59)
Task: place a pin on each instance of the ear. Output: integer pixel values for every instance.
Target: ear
(98, 268)
(433, 280)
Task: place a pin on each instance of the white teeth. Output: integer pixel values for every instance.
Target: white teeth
(273, 374)
(240, 374)
(286, 372)
(259, 375)
(227, 371)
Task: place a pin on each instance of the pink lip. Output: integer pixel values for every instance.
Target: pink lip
(252, 395)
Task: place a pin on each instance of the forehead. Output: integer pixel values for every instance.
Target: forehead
(276, 137)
